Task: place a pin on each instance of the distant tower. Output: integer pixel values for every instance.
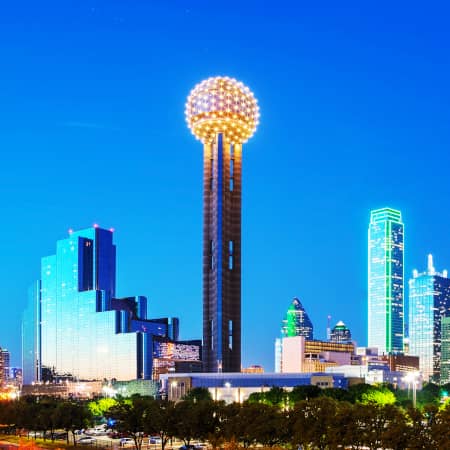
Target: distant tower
(296, 323)
(223, 114)
(341, 334)
(385, 283)
(4, 366)
(429, 303)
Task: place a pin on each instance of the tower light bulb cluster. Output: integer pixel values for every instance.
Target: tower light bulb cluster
(222, 105)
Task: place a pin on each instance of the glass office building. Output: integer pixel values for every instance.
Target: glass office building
(341, 333)
(429, 303)
(75, 328)
(295, 323)
(385, 281)
(445, 350)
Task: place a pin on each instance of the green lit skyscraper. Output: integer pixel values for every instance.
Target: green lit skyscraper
(385, 287)
(296, 323)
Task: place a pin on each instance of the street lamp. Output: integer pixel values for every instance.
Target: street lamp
(173, 387)
(411, 378)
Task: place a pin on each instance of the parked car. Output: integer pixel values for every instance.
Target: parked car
(87, 440)
(126, 442)
(114, 435)
(187, 447)
(154, 440)
(62, 435)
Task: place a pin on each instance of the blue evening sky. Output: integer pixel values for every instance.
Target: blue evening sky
(355, 115)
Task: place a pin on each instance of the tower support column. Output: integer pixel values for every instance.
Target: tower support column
(222, 256)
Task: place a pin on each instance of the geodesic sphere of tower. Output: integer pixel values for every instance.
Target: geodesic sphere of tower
(222, 105)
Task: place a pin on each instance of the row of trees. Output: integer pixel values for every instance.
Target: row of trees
(431, 394)
(318, 423)
(307, 417)
(46, 415)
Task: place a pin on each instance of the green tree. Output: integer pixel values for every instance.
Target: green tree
(131, 416)
(440, 429)
(355, 392)
(46, 419)
(254, 423)
(198, 394)
(419, 432)
(315, 422)
(276, 396)
(378, 396)
(193, 419)
(101, 406)
(347, 427)
(429, 394)
(300, 393)
(395, 434)
(160, 420)
(71, 415)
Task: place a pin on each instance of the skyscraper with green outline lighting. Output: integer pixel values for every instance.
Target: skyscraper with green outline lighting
(385, 276)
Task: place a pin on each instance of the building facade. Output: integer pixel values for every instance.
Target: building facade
(429, 303)
(223, 114)
(302, 355)
(237, 387)
(295, 323)
(341, 333)
(385, 281)
(4, 366)
(445, 350)
(75, 329)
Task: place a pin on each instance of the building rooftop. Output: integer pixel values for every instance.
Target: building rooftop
(383, 214)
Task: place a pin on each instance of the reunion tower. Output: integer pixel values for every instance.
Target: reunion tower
(223, 114)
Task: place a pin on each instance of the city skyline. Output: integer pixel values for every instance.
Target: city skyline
(91, 131)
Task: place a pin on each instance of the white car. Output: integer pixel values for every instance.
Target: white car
(86, 440)
(126, 442)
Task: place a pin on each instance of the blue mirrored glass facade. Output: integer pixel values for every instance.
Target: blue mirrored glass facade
(429, 303)
(75, 328)
(385, 281)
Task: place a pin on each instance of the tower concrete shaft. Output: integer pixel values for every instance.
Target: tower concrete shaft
(222, 255)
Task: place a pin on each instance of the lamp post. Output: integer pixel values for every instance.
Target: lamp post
(411, 378)
(173, 387)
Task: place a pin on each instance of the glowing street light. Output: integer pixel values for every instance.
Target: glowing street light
(412, 378)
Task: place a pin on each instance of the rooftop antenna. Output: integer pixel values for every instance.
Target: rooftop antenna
(329, 327)
(431, 270)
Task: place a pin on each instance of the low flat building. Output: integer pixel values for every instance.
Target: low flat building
(376, 375)
(237, 387)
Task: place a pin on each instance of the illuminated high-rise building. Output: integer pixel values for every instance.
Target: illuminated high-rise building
(429, 303)
(75, 328)
(223, 114)
(295, 323)
(341, 333)
(385, 287)
(445, 350)
(4, 365)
